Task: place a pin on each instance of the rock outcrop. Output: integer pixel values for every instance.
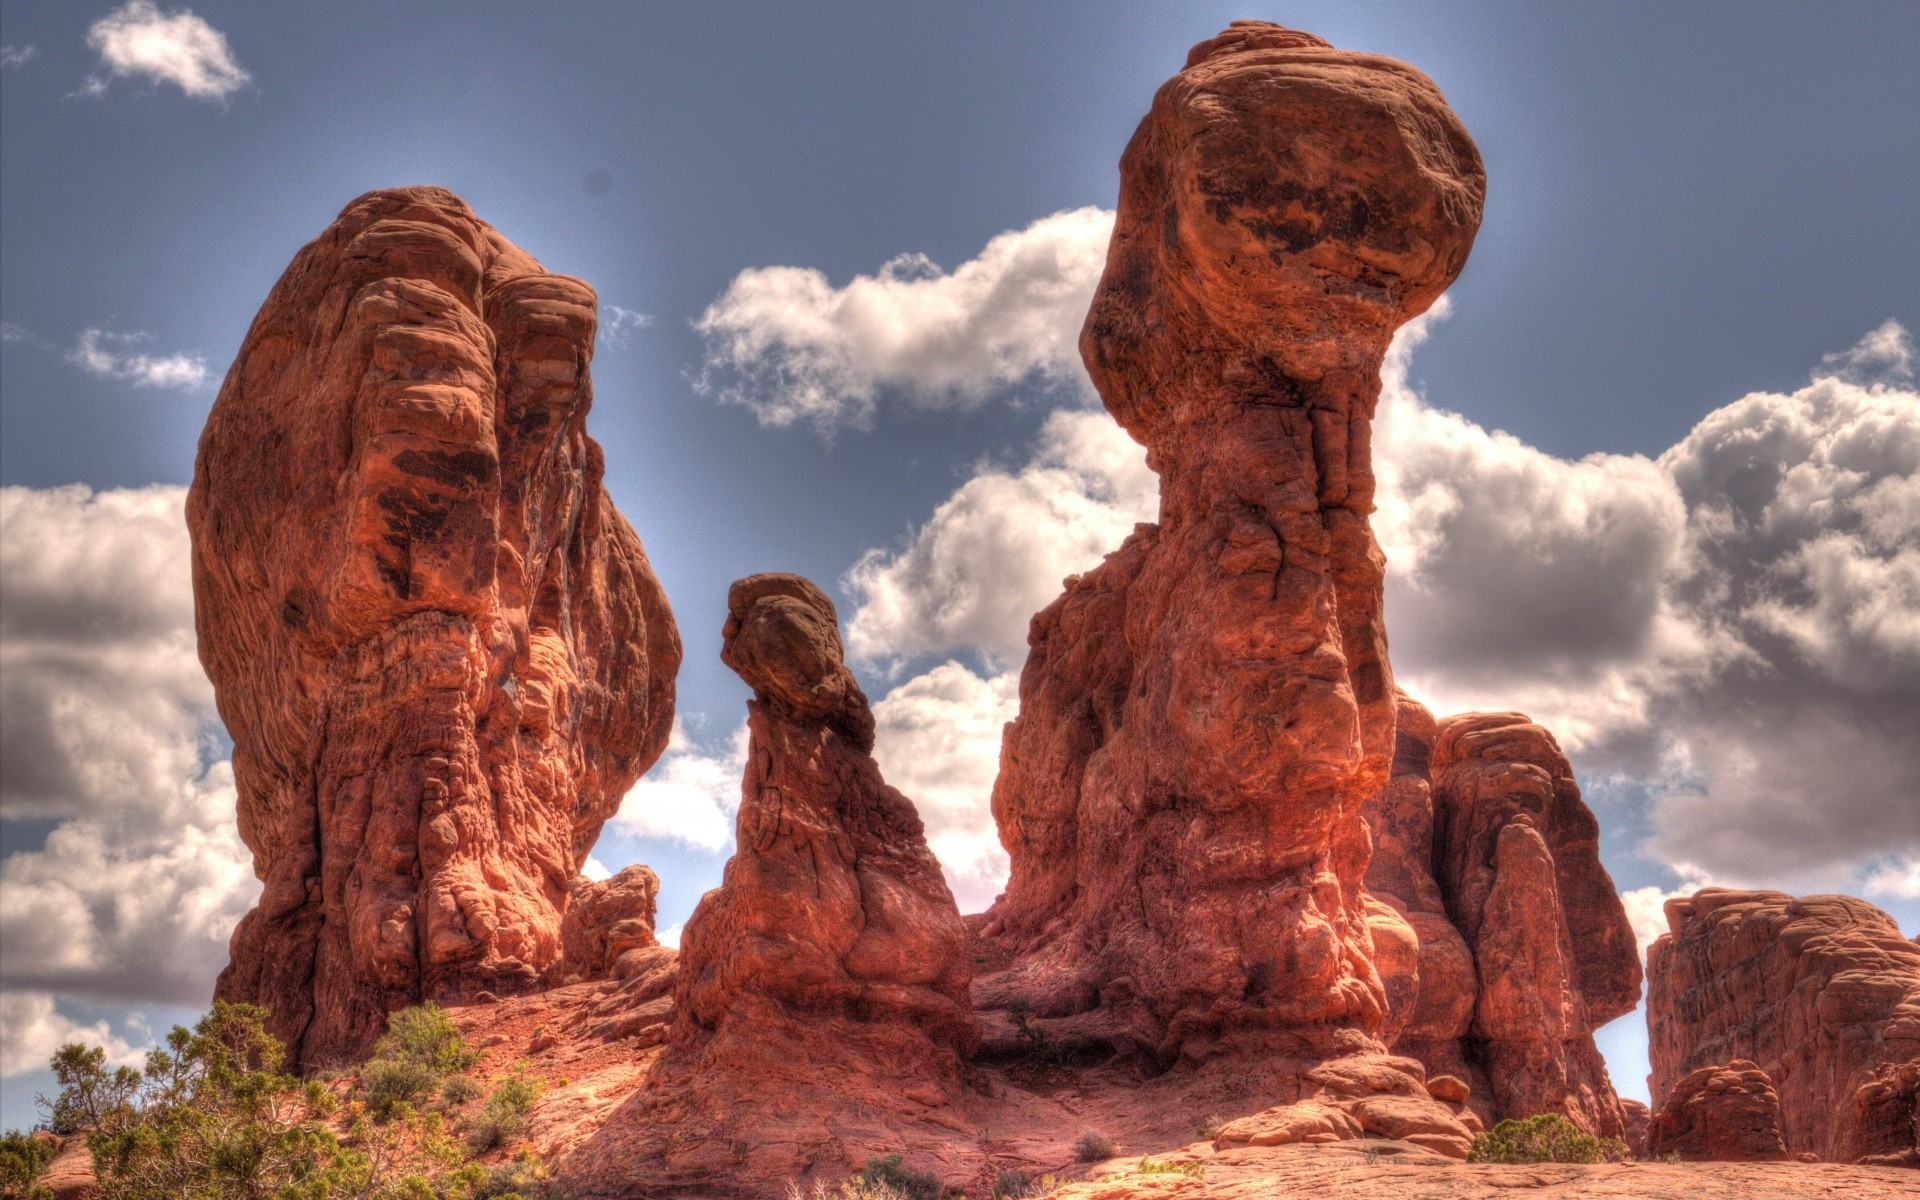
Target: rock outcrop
(1822, 993)
(1725, 1113)
(1484, 848)
(1204, 716)
(822, 1000)
(440, 651)
(607, 930)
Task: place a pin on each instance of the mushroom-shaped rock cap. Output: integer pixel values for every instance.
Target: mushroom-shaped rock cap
(783, 637)
(1282, 200)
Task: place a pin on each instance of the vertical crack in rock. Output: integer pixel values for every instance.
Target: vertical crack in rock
(441, 652)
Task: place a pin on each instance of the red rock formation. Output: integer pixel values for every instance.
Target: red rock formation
(822, 995)
(1484, 848)
(607, 929)
(1822, 993)
(440, 651)
(1725, 1113)
(1204, 715)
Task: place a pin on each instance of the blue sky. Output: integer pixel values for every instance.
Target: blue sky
(1688, 204)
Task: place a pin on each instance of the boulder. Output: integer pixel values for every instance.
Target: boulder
(440, 650)
(607, 930)
(1821, 993)
(1204, 716)
(1727, 1113)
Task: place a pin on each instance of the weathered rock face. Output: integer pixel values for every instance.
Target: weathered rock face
(1485, 850)
(1822, 993)
(1204, 715)
(608, 927)
(832, 904)
(440, 651)
(1719, 1114)
(821, 1003)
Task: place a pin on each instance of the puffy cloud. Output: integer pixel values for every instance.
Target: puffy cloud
(995, 552)
(107, 354)
(938, 741)
(107, 725)
(138, 40)
(1736, 624)
(689, 796)
(791, 346)
(31, 1029)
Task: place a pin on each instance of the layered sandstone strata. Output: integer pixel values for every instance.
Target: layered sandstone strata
(1822, 993)
(1485, 849)
(440, 651)
(1725, 1113)
(1204, 716)
(821, 1004)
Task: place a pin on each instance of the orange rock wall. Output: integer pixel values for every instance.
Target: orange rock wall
(440, 651)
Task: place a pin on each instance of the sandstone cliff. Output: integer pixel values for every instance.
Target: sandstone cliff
(1489, 862)
(1821, 993)
(440, 651)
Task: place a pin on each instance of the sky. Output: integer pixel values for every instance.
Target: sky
(1650, 472)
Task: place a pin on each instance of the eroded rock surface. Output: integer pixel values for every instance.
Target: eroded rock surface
(821, 1002)
(1725, 1113)
(1204, 715)
(440, 650)
(607, 930)
(1484, 848)
(1822, 993)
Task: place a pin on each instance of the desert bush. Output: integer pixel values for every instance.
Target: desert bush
(504, 1115)
(459, 1091)
(90, 1095)
(23, 1160)
(412, 1060)
(1546, 1138)
(214, 1117)
(1018, 1185)
(892, 1174)
(1093, 1146)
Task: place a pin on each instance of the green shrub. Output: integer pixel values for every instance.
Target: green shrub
(1018, 1185)
(1093, 1146)
(90, 1095)
(412, 1060)
(504, 1115)
(459, 1091)
(212, 1117)
(891, 1173)
(23, 1160)
(1546, 1138)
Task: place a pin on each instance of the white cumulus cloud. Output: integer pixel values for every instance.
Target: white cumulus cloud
(107, 726)
(996, 551)
(31, 1029)
(689, 796)
(938, 741)
(138, 40)
(111, 356)
(792, 347)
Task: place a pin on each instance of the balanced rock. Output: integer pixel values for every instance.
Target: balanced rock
(1822, 993)
(1204, 716)
(1485, 847)
(440, 650)
(822, 998)
(1725, 1113)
